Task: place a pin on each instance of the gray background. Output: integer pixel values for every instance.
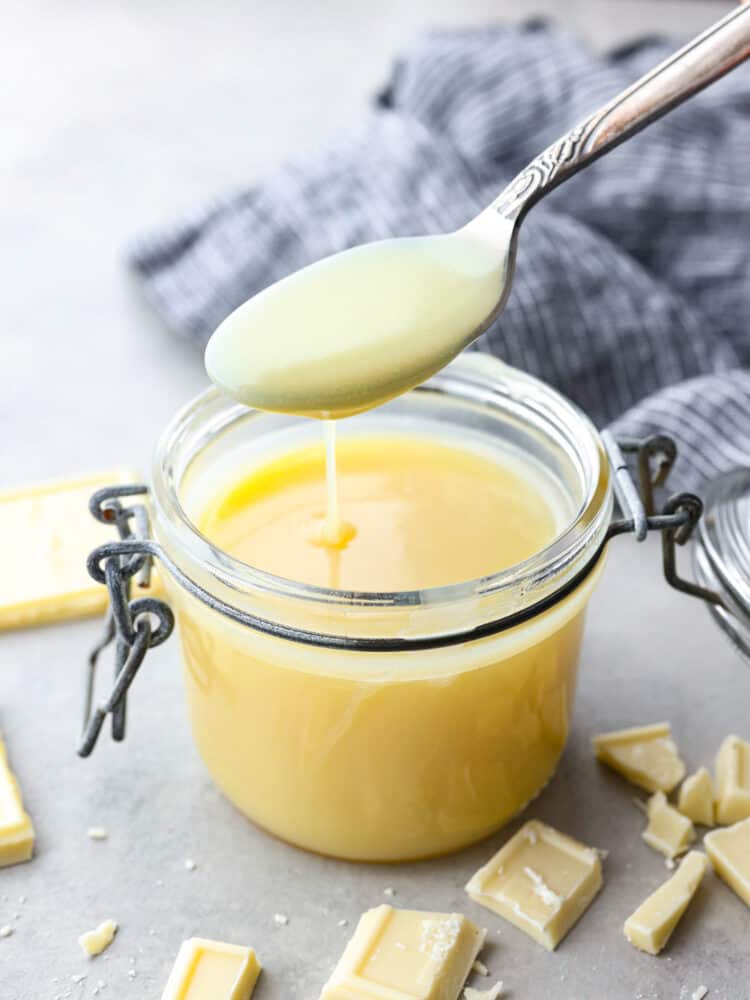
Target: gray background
(116, 116)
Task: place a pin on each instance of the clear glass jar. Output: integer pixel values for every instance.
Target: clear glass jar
(385, 726)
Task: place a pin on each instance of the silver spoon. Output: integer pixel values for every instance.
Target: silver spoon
(357, 328)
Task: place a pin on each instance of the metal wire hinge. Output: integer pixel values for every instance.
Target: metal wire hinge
(134, 625)
(655, 457)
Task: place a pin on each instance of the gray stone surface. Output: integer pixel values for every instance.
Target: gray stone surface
(115, 115)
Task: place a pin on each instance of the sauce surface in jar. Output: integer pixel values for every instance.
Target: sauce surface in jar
(416, 513)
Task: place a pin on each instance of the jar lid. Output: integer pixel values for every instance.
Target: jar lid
(721, 555)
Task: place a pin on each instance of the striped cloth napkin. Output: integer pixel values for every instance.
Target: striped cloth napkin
(632, 290)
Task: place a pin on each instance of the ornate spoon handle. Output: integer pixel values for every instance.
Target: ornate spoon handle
(709, 56)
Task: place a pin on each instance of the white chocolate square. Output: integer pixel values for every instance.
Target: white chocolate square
(645, 755)
(668, 831)
(16, 829)
(729, 851)
(733, 780)
(541, 881)
(652, 924)
(46, 535)
(212, 970)
(406, 955)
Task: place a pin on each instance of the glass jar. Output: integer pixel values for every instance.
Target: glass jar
(385, 726)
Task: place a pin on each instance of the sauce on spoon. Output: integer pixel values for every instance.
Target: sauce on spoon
(358, 328)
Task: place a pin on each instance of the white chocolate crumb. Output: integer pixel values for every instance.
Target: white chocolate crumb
(190, 864)
(5, 932)
(96, 941)
(480, 968)
(97, 833)
(159, 882)
(280, 919)
(700, 993)
(342, 923)
(670, 863)
(491, 994)
(21, 900)
(132, 973)
(388, 891)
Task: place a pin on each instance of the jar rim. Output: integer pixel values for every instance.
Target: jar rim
(475, 377)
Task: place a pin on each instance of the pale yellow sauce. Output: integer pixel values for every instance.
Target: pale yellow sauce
(382, 756)
(358, 328)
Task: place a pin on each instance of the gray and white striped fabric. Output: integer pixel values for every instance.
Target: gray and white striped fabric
(632, 293)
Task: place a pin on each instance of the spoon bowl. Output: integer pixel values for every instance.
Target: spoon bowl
(353, 330)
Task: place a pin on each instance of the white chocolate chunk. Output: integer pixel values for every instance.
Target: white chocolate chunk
(405, 955)
(729, 851)
(96, 941)
(212, 970)
(645, 755)
(491, 994)
(696, 798)
(652, 924)
(16, 829)
(733, 780)
(46, 535)
(541, 881)
(668, 831)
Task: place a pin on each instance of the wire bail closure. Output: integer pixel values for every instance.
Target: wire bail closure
(129, 622)
(655, 456)
(139, 624)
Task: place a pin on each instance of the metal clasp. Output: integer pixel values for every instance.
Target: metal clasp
(135, 625)
(655, 457)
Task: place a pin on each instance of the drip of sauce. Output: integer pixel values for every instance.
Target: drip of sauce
(358, 328)
(329, 529)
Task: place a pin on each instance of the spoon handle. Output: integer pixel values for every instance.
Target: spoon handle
(709, 56)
